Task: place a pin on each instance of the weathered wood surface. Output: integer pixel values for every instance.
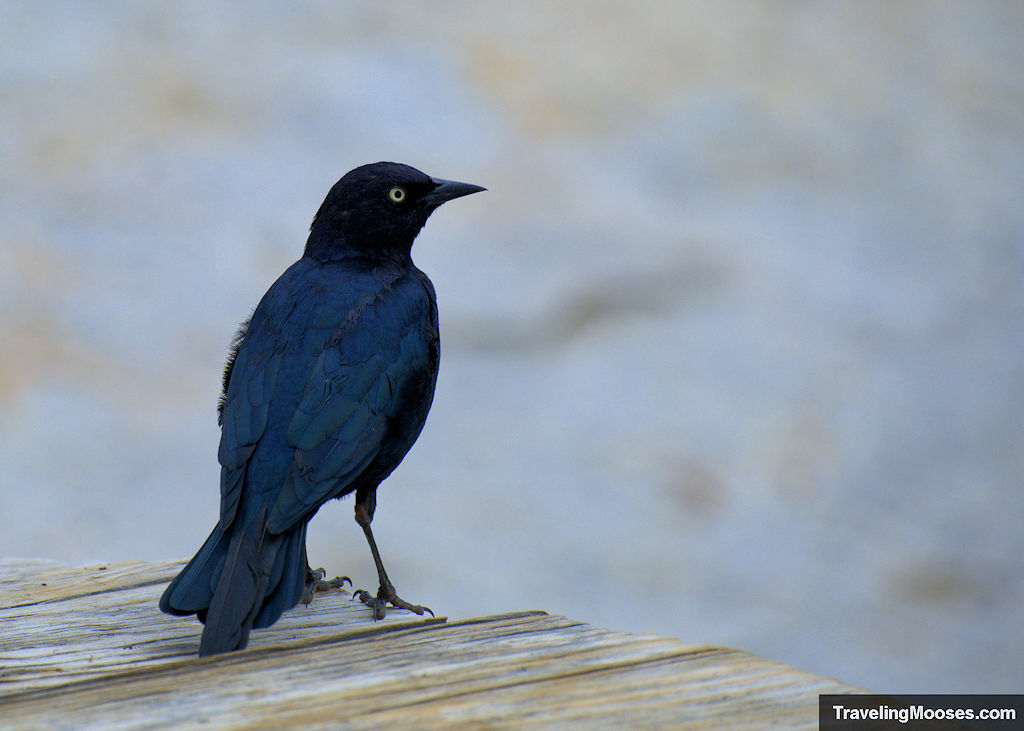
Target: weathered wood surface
(86, 646)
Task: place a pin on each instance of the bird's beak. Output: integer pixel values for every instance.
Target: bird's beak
(446, 190)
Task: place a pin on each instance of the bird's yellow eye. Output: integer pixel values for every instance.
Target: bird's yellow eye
(397, 194)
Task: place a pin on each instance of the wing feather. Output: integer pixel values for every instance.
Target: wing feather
(350, 397)
(367, 343)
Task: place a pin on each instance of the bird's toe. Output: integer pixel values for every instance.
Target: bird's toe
(316, 581)
(380, 602)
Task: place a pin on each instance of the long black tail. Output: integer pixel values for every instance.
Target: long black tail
(239, 580)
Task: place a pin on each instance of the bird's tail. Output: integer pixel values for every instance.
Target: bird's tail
(191, 591)
(239, 580)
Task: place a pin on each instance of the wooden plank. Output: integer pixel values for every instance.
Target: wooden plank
(106, 620)
(109, 658)
(29, 581)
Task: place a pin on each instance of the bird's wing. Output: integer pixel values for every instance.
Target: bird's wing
(383, 354)
(259, 370)
(252, 380)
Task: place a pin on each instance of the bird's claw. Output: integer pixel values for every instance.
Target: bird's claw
(385, 596)
(315, 581)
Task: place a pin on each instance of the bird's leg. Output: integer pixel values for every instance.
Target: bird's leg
(386, 594)
(316, 580)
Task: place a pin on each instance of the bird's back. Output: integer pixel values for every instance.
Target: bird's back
(335, 374)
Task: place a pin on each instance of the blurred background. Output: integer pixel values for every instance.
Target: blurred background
(732, 349)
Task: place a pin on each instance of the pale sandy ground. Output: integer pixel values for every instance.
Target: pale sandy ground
(732, 349)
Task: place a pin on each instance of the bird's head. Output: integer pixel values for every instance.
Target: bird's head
(377, 210)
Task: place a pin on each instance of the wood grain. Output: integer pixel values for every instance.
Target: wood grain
(85, 646)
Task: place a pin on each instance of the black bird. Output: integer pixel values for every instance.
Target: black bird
(327, 386)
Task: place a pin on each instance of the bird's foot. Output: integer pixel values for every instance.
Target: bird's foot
(386, 594)
(316, 581)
